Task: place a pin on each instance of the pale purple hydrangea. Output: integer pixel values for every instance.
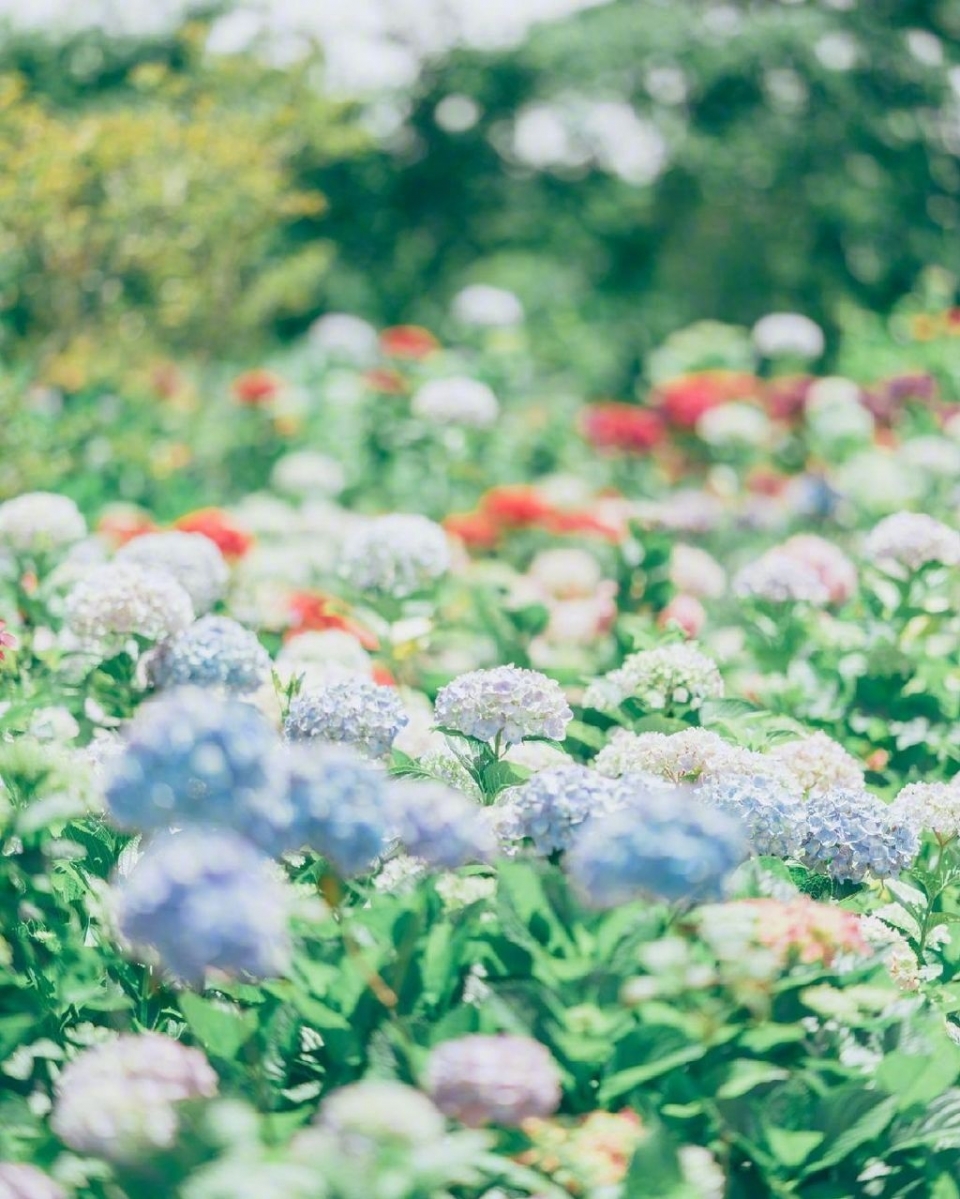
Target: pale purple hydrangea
(205, 899)
(119, 1100)
(193, 560)
(21, 1181)
(912, 540)
(778, 577)
(395, 556)
(773, 816)
(356, 711)
(215, 651)
(501, 1080)
(549, 809)
(440, 825)
(507, 703)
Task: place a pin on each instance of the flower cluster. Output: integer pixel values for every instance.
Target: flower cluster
(396, 556)
(122, 600)
(506, 703)
(779, 578)
(456, 400)
(119, 1099)
(550, 808)
(850, 834)
(439, 825)
(669, 677)
(912, 540)
(213, 652)
(800, 929)
(933, 807)
(355, 711)
(819, 763)
(40, 521)
(493, 1080)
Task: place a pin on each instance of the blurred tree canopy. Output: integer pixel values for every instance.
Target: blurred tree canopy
(626, 171)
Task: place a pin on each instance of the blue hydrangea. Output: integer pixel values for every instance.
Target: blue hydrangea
(549, 808)
(195, 758)
(356, 711)
(508, 702)
(440, 825)
(205, 899)
(851, 834)
(215, 651)
(664, 844)
(774, 817)
(340, 807)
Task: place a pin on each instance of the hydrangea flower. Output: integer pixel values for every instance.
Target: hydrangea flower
(306, 473)
(832, 566)
(356, 711)
(803, 930)
(213, 652)
(344, 336)
(773, 816)
(447, 768)
(506, 702)
(488, 307)
(195, 758)
(457, 400)
(934, 807)
(695, 572)
(851, 834)
(21, 1181)
(120, 600)
(686, 755)
(670, 676)
(340, 807)
(780, 578)
(439, 825)
(324, 656)
(378, 1111)
(192, 559)
(396, 556)
(40, 521)
(788, 333)
(493, 1080)
(664, 844)
(912, 540)
(819, 763)
(549, 808)
(118, 1100)
(205, 899)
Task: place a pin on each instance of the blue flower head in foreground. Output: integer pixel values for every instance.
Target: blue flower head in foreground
(205, 899)
(194, 758)
(663, 844)
(215, 651)
(339, 806)
(851, 834)
(508, 702)
(355, 711)
(440, 825)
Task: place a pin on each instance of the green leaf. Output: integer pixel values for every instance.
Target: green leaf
(220, 1028)
(916, 1078)
(746, 1074)
(791, 1147)
(864, 1128)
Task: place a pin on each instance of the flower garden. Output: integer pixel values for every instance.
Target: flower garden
(425, 776)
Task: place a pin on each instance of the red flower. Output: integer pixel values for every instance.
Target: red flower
(7, 640)
(383, 676)
(683, 401)
(230, 539)
(256, 387)
(613, 426)
(475, 529)
(408, 341)
(121, 524)
(382, 379)
(581, 522)
(787, 396)
(515, 506)
(315, 612)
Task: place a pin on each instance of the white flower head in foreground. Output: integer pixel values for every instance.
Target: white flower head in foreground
(677, 675)
(820, 764)
(506, 702)
(486, 306)
(911, 540)
(125, 599)
(192, 559)
(40, 521)
(788, 334)
(396, 555)
(457, 400)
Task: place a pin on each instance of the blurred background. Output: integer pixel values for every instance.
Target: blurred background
(192, 181)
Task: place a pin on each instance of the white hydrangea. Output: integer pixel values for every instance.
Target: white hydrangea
(788, 334)
(565, 573)
(192, 559)
(396, 555)
(780, 578)
(695, 572)
(932, 455)
(342, 335)
(40, 521)
(457, 400)
(506, 703)
(734, 423)
(934, 807)
(125, 599)
(323, 656)
(820, 764)
(306, 472)
(486, 306)
(911, 540)
(671, 675)
(675, 756)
